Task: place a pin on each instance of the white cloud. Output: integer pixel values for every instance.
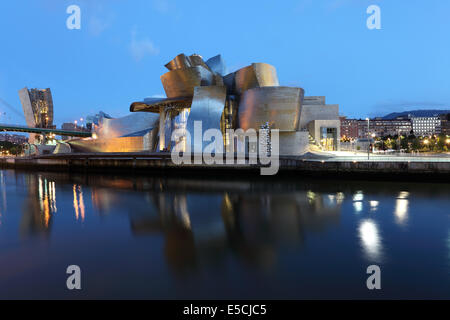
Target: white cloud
(97, 25)
(99, 14)
(168, 8)
(162, 6)
(139, 48)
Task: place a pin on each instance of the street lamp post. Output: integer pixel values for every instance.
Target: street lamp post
(368, 138)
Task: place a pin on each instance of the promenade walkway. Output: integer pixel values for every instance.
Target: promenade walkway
(346, 156)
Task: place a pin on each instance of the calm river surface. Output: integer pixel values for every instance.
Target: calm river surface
(189, 238)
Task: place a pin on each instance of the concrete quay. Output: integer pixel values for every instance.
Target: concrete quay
(383, 167)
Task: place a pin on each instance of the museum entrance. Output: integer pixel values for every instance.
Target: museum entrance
(328, 138)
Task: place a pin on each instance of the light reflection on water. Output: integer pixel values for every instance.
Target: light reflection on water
(374, 205)
(401, 208)
(78, 202)
(218, 238)
(371, 240)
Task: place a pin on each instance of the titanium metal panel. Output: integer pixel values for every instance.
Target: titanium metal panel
(280, 106)
(256, 75)
(207, 106)
(119, 144)
(126, 126)
(230, 83)
(183, 62)
(197, 60)
(217, 65)
(181, 82)
(179, 62)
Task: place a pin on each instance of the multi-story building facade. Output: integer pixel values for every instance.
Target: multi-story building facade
(349, 128)
(14, 138)
(37, 106)
(426, 125)
(445, 123)
(359, 128)
(384, 127)
(419, 126)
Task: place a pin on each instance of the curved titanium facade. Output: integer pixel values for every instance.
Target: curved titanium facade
(217, 65)
(247, 98)
(280, 106)
(122, 144)
(197, 60)
(131, 125)
(183, 62)
(207, 106)
(255, 75)
(179, 62)
(181, 82)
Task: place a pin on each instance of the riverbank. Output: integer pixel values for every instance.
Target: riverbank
(328, 165)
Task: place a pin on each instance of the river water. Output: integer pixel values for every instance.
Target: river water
(227, 238)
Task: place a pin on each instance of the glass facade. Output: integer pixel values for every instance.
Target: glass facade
(328, 138)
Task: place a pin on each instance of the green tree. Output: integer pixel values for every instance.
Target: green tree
(441, 142)
(11, 148)
(404, 143)
(415, 144)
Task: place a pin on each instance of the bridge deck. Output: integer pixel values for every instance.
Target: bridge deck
(58, 132)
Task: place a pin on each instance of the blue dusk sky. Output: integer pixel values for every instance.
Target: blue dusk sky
(324, 46)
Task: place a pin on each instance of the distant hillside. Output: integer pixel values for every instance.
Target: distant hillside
(417, 113)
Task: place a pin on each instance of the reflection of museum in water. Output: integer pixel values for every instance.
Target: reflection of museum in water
(201, 221)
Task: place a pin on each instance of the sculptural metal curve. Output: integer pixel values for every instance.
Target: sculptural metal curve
(205, 92)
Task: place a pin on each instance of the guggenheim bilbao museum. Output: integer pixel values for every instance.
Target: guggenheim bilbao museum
(198, 90)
